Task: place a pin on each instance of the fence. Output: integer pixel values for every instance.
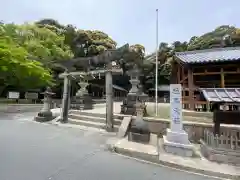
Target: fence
(226, 140)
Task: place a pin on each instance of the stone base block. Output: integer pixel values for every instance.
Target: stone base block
(180, 137)
(124, 127)
(87, 106)
(153, 139)
(136, 150)
(125, 109)
(131, 110)
(44, 116)
(43, 119)
(220, 155)
(178, 143)
(138, 137)
(177, 148)
(109, 128)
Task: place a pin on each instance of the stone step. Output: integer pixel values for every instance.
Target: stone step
(86, 113)
(92, 118)
(92, 124)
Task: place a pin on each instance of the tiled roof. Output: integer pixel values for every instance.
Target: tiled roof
(222, 94)
(209, 55)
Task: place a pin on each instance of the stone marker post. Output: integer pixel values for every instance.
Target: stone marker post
(176, 141)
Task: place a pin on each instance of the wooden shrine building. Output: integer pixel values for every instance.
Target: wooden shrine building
(212, 72)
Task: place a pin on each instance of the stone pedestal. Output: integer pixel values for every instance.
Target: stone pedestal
(45, 114)
(177, 143)
(139, 131)
(128, 106)
(87, 102)
(176, 140)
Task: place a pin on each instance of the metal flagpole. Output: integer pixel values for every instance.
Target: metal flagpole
(156, 73)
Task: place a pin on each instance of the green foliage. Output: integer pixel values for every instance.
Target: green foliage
(17, 69)
(82, 42)
(215, 38)
(134, 57)
(28, 50)
(42, 43)
(26, 53)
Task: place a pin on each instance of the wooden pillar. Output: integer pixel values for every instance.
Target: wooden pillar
(222, 79)
(182, 73)
(191, 89)
(178, 74)
(173, 78)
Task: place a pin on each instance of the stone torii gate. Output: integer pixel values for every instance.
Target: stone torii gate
(106, 58)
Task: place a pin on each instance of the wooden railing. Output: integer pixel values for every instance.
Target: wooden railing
(226, 140)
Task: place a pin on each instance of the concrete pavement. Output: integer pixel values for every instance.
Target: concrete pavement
(158, 155)
(30, 150)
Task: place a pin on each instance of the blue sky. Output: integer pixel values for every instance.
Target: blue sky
(130, 21)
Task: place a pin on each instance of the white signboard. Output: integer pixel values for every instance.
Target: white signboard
(13, 95)
(176, 107)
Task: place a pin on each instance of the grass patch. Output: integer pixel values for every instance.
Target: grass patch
(164, 113)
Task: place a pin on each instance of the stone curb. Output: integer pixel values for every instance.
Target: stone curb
(155, 159)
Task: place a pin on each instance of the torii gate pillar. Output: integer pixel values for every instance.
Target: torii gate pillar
(109, 98)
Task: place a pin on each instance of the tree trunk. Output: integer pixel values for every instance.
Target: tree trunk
(2, 89)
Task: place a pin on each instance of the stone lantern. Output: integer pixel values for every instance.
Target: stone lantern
(45, 114)
(139, 111)
(128, 106)
(82, 98)
(135, 94)
(134, 80)
(83, 90)
(142, 98)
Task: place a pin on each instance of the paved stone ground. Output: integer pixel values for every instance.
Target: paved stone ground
(30, 150)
